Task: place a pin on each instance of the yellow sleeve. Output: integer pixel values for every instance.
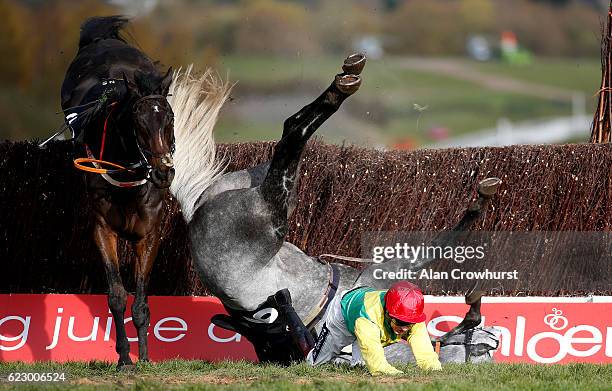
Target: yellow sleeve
(368, 338)
(426, 357)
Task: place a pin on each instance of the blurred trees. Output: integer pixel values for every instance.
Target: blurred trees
(39, 42)
(39, 38)
(573, 30)
(440, 26)
(427, 27)
(55, 36)
(339, 23)
(275, 27)
(16, 50)
(477, 15)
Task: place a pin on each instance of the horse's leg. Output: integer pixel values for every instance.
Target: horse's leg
(278, 183)
(106, 239)
(487, 188)
(472, 318)
(146, 251)
(353, 65)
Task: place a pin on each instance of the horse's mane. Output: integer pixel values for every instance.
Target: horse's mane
(102, 27)
(196, 101)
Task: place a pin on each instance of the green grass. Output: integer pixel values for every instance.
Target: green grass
(244, 375)
(263, 71)
(391, 92)
(458, 105)
(580, 74)
(229, 130)
(385, 102)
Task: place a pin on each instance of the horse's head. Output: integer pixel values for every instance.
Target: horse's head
(153, 122)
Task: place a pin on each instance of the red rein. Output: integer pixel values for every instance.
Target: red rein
(105, 126)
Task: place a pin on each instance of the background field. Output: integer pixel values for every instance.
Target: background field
(419, 89)
(455, 95)
(244, 375)
(383, 113)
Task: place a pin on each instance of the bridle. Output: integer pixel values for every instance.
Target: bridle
(144, 154)
(166, 158)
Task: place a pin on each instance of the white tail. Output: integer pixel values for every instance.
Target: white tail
(196, 101)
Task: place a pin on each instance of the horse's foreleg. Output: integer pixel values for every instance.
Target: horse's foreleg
(146, 251)
(487, 188)
(471, 319)
(106, 239)
(280, 179)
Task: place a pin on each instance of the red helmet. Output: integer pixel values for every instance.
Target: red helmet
(404, 301)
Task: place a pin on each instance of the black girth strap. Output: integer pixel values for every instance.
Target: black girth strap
(318, 311)
(468, 344)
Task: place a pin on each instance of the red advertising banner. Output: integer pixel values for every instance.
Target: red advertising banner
(80, 328)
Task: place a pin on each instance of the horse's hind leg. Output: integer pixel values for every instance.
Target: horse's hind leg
(279, 181)
(353, 65)
(146, 251)
(106, 239)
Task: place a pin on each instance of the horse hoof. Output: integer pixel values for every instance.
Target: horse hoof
(348, 84)
(488, 187)
(126, 367)
(354, 64)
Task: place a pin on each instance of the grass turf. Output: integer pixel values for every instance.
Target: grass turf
(244, 375)
(386, 102)
(389, 94)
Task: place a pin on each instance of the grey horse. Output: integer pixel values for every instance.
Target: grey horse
(238, 220)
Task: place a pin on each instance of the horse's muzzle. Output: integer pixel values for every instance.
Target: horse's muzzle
(162, 179)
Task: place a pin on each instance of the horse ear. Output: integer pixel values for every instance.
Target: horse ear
(139, 80)
(166, 82)
(129, 89)
(125, 82)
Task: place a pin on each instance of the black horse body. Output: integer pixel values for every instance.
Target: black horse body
(118, 97)
(104, 56)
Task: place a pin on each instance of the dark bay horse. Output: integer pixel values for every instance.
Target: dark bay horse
(114, 98)
(238, 221)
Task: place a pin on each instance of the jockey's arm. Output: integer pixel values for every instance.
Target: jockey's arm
(368, 338)
(426, 357)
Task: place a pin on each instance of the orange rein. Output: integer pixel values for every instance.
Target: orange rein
(78, 164)
(95, 169)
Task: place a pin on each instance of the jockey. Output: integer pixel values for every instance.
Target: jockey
(375, 319)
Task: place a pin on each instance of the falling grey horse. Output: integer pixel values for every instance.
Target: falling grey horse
(238, 221)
